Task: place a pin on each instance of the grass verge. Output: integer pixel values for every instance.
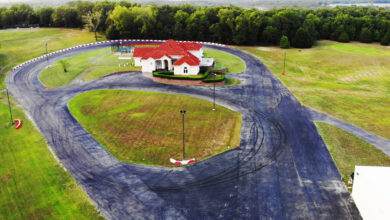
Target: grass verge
(348, 150)
(146, 127)
(33, 185)
(222, 60)
(348, 80)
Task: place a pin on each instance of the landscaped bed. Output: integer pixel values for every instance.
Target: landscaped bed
(206, 77)
(146, 127)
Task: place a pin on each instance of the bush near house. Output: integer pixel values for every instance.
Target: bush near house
(166, 75)
(210, 78)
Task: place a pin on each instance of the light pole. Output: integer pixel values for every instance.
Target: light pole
(47, 58)
(284, 63)
(9, 107)
(183, 112)
(214, 92)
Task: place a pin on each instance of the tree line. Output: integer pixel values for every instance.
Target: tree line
(297, 27)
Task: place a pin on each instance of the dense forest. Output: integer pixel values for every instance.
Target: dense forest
(297, 27)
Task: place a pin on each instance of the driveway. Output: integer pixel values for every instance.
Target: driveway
(281, 170)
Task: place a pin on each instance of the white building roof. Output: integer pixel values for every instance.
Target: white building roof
(371, 192)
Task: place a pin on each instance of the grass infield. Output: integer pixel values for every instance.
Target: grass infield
(146, 127)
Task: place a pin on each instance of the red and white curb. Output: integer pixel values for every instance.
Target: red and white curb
(182, 162)
(17, 123)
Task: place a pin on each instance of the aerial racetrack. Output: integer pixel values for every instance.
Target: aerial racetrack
(281, 169)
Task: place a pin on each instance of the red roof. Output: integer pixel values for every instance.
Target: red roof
(168, 48)
(191, 45)
(188, 59)
(140, 51)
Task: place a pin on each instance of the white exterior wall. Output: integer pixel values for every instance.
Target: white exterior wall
(148, 65)
(371, 192)
(179, 70)
(137, 61)
(197, 53)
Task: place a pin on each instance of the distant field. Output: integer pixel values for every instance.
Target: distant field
(222, 59)
(85, 66)
(32, 184)
(350, 81)
(347, 150)
(145, 127)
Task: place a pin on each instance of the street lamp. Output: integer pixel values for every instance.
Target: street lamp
(9, 107)
(183, 112)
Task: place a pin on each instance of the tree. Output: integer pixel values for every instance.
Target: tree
(284, 42)
(180, 27)
(44, 16)
(271, 35)
(67, 17)
(365, 35)
(302, 39)
(64, 65)
(386, 39)
(92, 22)
(343, 37)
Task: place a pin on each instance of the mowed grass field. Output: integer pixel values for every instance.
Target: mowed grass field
(19, 45)
(32, 183)
(348, 150)
(350, 81)
(85, 66)
(146, 127)
(222, 59)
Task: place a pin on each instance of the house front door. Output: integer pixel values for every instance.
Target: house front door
(166, 66)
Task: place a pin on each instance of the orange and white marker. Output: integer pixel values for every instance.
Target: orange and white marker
(17, 123)
(182, 162)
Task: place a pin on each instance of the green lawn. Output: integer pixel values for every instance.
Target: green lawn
(145, 127)
(348, 150)
(350, 81)
(222, 59)
(85, 67)
(20, 45)
(32, 184)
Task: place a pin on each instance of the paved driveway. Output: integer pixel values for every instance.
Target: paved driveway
(281, 170)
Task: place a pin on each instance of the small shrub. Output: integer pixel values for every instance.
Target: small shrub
(211, 79)
(181, 77)
(284, 42)
(163, 72)
(65, 65)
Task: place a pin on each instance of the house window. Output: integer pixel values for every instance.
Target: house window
(185, 70)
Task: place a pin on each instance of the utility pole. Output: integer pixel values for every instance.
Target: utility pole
(9, 108)
(214, 93)
(47, 58)
(183, 112)
(284, 63)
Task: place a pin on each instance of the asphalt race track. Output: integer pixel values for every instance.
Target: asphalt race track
(281, 170)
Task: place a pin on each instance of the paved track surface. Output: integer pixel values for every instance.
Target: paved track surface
(281, 170)
(379, 142)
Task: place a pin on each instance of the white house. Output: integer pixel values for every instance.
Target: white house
(183, 58)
